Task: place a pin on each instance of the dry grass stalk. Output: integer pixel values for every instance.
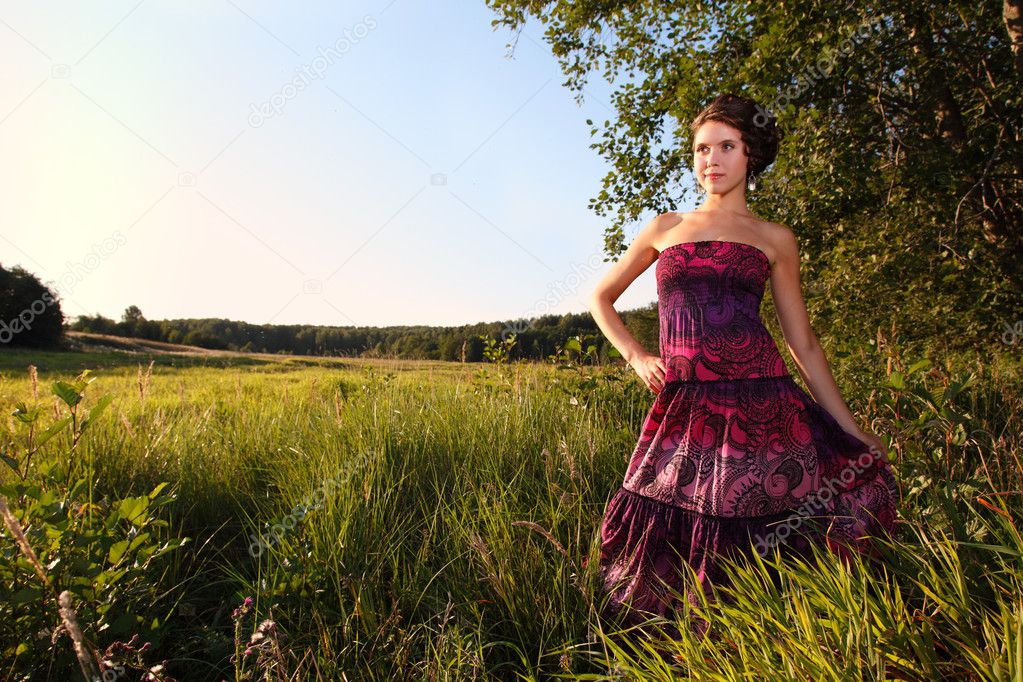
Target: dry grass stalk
(90, 668)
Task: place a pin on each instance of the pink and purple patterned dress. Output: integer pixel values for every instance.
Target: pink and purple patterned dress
(734, 456)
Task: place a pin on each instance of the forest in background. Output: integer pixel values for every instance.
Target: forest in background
(535, 339)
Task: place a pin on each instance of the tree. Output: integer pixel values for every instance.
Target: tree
(30, 313)
(902, 166)
(132, 315)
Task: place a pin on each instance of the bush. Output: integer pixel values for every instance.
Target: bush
(87, 566)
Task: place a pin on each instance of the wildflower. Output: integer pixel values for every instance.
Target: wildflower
(243, 609)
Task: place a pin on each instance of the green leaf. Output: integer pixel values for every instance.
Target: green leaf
(25, 415)
(109, 578)
(124, 624)
(959, 386)
(921, 364)
(133, 509)
(117, 551)
(53, 430)
(157, 489)
(78, 488)
(168, 546)
(925, 396)
(11, 462)
(138, 540)
(67, 393)
(97, 409)
(26, 595)
(83, 380)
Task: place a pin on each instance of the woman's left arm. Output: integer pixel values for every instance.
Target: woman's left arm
(801, 341)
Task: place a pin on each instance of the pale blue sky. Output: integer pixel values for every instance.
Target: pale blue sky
(418, 176)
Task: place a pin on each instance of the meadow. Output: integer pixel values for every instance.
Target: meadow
(371, 519)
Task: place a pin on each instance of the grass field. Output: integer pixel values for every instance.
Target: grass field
(423, 520)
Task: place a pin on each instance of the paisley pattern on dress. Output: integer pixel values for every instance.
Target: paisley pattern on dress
(733, 455)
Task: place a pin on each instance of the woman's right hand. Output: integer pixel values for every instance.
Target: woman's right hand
(651, 370)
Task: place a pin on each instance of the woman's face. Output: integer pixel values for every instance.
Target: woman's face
(719, 157)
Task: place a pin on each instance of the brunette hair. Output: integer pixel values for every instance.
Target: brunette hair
(754, 122)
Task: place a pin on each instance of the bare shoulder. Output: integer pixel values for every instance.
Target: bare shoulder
(652, 232)
(666, 221)
(782, 239)
(675, 218)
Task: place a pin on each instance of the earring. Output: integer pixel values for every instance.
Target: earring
(751, 182)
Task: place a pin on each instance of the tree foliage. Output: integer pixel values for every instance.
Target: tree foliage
(902, 166)
(30, 313)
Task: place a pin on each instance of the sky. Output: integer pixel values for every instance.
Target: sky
(358, 163)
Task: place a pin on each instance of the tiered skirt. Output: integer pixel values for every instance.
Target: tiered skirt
(727, 468)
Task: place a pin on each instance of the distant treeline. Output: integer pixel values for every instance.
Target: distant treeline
(535, 339)
(31, 316)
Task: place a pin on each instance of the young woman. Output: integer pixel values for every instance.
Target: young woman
(734, 456)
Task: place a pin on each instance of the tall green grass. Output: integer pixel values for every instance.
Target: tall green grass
(440, 521)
